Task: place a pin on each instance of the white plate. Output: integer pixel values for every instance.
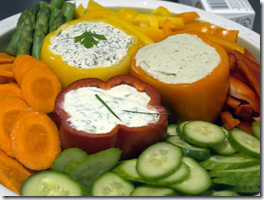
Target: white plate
(246, 37)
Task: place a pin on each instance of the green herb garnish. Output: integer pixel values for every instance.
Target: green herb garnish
(87, 39)
(146, 113)
(102, 101)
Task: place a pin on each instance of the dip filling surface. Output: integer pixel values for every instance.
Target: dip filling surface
(88, 114)
(104, 53)
(181, 58)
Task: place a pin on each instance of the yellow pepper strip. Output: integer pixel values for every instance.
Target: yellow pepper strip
(155, 34)
(80, 10)
(143, 38)
(228, 45)
(161, 11)
(92, 6)
(187, 16)
(127, 15)
(94, 14)
(67, 73)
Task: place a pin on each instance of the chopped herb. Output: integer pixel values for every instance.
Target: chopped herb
(87, 39)
(102, 101)
(146, 113)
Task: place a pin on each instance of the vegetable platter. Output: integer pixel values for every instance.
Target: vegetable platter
(246, 38)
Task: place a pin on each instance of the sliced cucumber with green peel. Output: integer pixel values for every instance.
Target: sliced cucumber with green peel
(110, 184)
(224, 147)
(67, 157)
(152, 190)
(198, 153)
(52, 183)
(91, 167)
(244, 142)
(159, 161)
(219, 193)
(256, 129)
(234, 161)
(179, 128)
(202, 134)
(198, 180)
(237, 181)
(253, 171)
(171, 130)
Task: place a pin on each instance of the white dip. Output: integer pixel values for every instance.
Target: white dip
(181, 58)
(88, 114)
(105, 53)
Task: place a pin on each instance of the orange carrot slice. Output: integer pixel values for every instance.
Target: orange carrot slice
(6, 70)
(10, 106)
(5, 58)
(3, 80)
(18, 61)
(35, 139)
(40, 87)
(12, 172)
(10, 89)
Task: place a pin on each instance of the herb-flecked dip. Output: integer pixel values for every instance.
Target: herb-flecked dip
(101, 52)
(88, 114)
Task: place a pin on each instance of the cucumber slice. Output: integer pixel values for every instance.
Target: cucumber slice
(171, 130)
(245, 143)
(246, 189)
(67, 157)
(91, 167)
(151, 190)
(110, 184)
(237, 181)
(256, 129)
(203, 134)
(219, 193)
(198, 153)
(127, 170)
(224, 147)
(159, 161)
(52, 183)
(198, 180)
(253, 171)
(179, 128)
(234, 161)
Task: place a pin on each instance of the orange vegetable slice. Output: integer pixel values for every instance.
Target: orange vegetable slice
(10, 106)
(35, 139)
(6, 70)
(10, 89)
(5, 58)
(228, 120)
(18, 61)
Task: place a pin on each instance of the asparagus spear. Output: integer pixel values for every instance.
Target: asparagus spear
(42, 4)
(54, 14)
(68, 8)
(12, 46)
(57, 3)
(57, 23)
(41, 30)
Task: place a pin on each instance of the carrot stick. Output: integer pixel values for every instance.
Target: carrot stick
(6, 70)
(228, 121)
(12, 172)
(10, 106)
(35, 139)
(40, 87)
(232, 102)
(10, 89)
(254, 65)
(5, 58)
(240, 90)
(253, 77)
(250, 55)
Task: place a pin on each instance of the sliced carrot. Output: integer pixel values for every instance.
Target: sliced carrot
(3, 80)
(12, 172)
(244, 111)
(10, 89)
(5, 58)
(232, 102)
(12, 80)
(6, 70)
(35, 139)
(40, 87)
(18, 61)
(10, 106)
(228, 121)
(253, 77)
(250, 55)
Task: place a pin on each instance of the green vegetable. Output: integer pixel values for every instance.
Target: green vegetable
(256, 129)
(245, 189)
(42, 4)
(55, 13)
(57, 3)
(131, 111)
(41, 29)
(238, 181)
(151, 190)
(68, 8)
(57, 23)
(87, 39)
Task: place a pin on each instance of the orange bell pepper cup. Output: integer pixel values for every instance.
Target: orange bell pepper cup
(201, 100)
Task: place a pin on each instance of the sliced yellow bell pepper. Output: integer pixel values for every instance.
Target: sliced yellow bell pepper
(94, 14)
(68, 73)
(155, 34)
(92, 6)
(80, 10)
(161, 11)
(127, 15)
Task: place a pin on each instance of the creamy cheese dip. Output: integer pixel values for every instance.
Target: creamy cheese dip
(181, 58)
(105, 53)
(88, 114)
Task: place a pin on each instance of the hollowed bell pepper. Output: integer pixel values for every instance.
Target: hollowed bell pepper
(68, 74)
(131, 140)
(201, 100)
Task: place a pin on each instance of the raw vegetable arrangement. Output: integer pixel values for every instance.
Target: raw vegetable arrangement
(190, 145)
